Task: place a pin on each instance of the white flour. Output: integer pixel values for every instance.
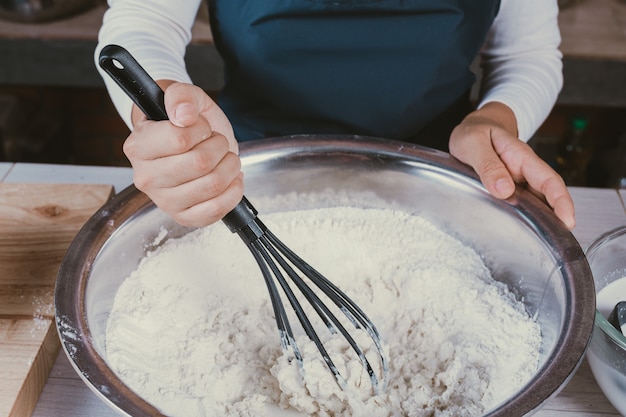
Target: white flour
(192, 329)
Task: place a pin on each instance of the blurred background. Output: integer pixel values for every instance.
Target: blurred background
(53, 106)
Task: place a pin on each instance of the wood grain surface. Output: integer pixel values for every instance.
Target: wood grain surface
(594, 29)
(37, 224)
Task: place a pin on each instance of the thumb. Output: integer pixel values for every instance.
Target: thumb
(491, 170)
(495, 177)
(182, 104)
(184, 114)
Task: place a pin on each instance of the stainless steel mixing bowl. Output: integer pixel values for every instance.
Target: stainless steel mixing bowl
(520, 239)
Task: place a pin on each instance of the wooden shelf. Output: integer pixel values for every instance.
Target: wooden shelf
(60, 53)
(594, 29)
(84, 27)
(590, 29)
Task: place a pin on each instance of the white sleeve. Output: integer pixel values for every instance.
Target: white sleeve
(521, 61)
(155, 32)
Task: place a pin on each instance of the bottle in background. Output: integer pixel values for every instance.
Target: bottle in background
(617, 176)
(575, 152)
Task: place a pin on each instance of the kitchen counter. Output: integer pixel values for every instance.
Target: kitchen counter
(65, 394)
(61, 53)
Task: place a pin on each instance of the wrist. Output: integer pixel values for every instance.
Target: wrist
(497, 113)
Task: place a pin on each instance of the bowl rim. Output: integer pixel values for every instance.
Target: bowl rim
(571, 345)
(600, 321)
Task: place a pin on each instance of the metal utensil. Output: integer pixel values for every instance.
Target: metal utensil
(276, 261)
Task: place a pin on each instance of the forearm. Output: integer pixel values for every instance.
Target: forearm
(522, 65)
(156, 33)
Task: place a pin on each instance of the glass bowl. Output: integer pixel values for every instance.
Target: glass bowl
(607, 351)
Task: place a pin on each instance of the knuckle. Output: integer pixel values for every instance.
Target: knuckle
(130, 149)
(218, 144)
(199, 216)
(172, 207)
(490, 166)
(215, 185)
(238, 187)
(221, 141)
(183, 219)
(202, 161)
(142, 182)
(180, 141)
(168, 207)
(215, 212)
(554, 186)
(235, 160)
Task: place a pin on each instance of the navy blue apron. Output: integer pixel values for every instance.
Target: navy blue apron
(397, 69)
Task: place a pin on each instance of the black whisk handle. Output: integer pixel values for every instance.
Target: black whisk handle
(134, 80)
(124, 69)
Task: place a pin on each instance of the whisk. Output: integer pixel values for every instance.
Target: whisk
(277, 262)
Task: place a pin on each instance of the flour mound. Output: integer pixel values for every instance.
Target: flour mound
(192, 329)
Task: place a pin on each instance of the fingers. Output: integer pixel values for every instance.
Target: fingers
(176, 157)
(151, 140)
(205, 211)
(178, 197)
(475, 149)
(501, 160)
(185, 103)
(188, 167)
(197, 187)
(554, 190)
(545, 182)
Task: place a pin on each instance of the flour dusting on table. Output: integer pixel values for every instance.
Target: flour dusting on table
(192, 329)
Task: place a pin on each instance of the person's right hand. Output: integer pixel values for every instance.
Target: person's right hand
(188, 165)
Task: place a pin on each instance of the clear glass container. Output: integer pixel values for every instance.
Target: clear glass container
(607, 351)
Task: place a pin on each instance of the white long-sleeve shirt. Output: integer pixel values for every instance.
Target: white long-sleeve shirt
(520, 60)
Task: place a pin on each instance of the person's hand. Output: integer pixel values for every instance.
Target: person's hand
(487, 141)
(187, 165)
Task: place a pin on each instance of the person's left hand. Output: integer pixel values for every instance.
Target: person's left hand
(486, 140)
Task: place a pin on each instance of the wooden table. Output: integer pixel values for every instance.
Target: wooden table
(65, 394)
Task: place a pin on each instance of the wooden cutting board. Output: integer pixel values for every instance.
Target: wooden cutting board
(37, 224)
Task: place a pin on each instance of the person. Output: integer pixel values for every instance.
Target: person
(397, 69)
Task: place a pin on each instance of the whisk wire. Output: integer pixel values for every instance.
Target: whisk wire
(338, 297)
(331, 320)
(269, 255)
(282, 321)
